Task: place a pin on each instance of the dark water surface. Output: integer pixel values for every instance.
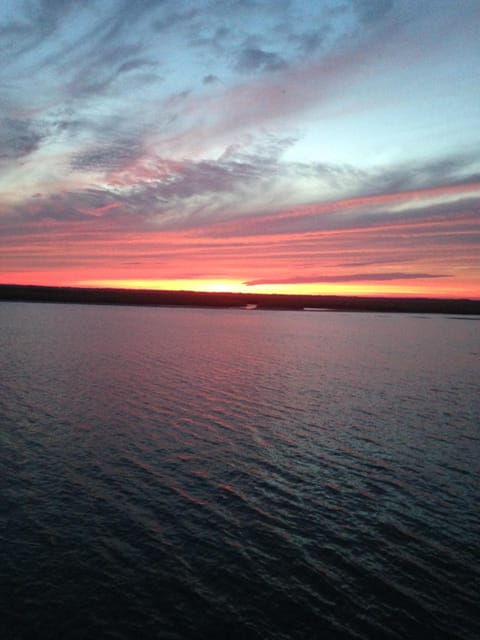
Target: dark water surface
(189, 473)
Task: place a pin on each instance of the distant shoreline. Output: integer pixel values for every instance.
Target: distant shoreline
(300, 302)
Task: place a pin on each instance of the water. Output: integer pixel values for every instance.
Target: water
(189, 473)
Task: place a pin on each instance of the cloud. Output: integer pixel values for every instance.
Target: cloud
(257, 60)
(222, 196)
(173, 19)
(348, 277)
(133, 65)
(369, 11)
(191, 187)
(210, 79)
(238, 166)
(395, 213)
(18, 138)
(67, 206)
(112, 54)
(108, 157)
(90, 52)
(99, 72)
(39, 21)
(175, 193)
(455, 169)
(310, 41)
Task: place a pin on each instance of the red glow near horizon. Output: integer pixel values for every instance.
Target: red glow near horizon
(268, 249)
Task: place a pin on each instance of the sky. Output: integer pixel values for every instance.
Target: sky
(328, 146)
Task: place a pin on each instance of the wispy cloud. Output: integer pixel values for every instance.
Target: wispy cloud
(372, 10)
(108, 157)
(18, 138)
(255, 59)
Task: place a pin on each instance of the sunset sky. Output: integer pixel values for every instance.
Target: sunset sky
(330, 146)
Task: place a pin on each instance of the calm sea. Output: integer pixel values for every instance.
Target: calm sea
(187, 473)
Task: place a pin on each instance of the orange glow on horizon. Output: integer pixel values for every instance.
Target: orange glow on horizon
(454, 288)
(385, 289)
(211, 286)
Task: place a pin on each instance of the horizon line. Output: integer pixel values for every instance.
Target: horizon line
(135, 290)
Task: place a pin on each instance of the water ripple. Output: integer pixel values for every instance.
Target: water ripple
(175, 473)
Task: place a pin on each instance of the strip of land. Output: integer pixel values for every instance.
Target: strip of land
(31, 293)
